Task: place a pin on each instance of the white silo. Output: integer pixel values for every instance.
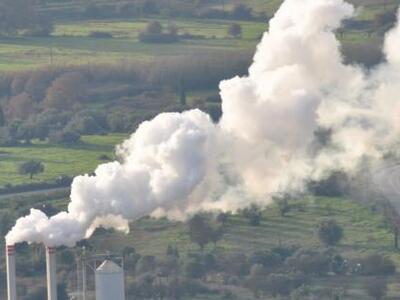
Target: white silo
(110, 281)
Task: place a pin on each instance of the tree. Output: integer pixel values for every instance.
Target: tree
(20, 107)
(153, 33)
(330, 233)
(256, 280)
(66, 137)
(223, 218)
(182, 93)
(242, 12)
(283, 205)
(2, 117)
(376, 288)
(154, 27)
(66, 91)
(216, 234)
(235, 30)
(15, 15)
(31, 167)
(253, 214)
(199, 231)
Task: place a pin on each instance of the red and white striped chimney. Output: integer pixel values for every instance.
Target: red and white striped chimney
(51, 273)
(11, 273)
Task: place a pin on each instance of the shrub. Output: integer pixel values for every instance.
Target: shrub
(235, 30)
(376, 264)
(146, 264)
(330, 233)
(267, 259)
(242, 12)
(256, 281)
(282, 285)
(154, 34)
(377, 288)
(234, 264)
(100, 35)
(310, 262)
(67, 137)
(253, 214)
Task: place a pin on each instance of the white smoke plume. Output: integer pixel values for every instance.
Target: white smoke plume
(177, 164)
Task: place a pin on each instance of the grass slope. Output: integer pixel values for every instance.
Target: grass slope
(364, 232)
(58, 160)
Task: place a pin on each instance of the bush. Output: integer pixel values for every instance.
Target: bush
(267, 259)
(377, 288)
(65, 137)
(154, 34)
(146, 264)
(330, 233)
(253, 214)
(242, 12)
(84, 125)
(282, 285)
(234, 264)
(235, 30)
(165, 38)
(100, 35)
(376, 264)
(256, 281)
(310, 262)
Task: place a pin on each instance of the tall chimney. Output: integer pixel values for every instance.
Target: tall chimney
(11, 276)
(51, 273)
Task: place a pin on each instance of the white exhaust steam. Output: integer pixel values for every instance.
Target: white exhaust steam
(177, 164)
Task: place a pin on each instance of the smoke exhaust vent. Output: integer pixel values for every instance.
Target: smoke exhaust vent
(11, 273)
(51, 273)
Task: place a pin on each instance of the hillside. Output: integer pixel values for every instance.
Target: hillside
(73, 39)
(365, 232)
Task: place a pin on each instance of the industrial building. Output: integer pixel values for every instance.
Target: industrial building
(109, 276)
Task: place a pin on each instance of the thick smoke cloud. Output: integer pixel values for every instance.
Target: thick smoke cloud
(177, 164)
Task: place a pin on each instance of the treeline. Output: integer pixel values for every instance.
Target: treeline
(278, 272)
(59, 103)
(23, 15)
(146, 8)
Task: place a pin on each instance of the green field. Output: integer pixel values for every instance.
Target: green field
(365, 232)
(70, 43)
(58, 160)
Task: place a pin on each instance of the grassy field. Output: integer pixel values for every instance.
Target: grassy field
(58, 160)
(365, 232)
(71, 44)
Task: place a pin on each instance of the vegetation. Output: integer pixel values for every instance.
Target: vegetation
(287, 260)
(79, 76)
(330, 233)
(58, 160)
(31, 167)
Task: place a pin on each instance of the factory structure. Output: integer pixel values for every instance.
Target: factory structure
(108, 272)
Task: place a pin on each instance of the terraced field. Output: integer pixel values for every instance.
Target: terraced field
(364, 232)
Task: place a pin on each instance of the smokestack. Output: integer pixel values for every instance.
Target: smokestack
(51, 273)
(11, 276)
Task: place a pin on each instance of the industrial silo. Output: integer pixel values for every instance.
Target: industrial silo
(110, 281)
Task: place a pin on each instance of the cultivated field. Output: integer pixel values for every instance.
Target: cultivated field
(58, 160)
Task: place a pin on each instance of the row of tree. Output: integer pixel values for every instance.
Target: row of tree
(16, 15)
